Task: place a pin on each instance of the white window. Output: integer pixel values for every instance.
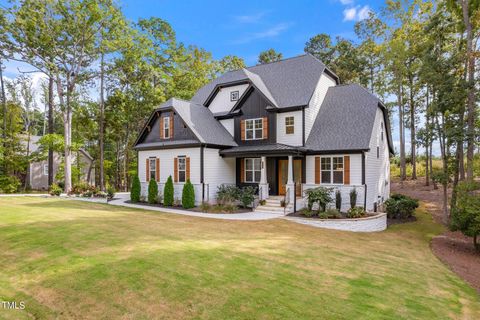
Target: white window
(252, 169)
(289, 125)
(152, 168)
(234, 95)
(254, 129)
(381, 131)
(166, 127)
(182, 169)
(332, 170)
(45, 169)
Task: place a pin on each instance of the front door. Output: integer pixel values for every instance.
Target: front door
(283, 176)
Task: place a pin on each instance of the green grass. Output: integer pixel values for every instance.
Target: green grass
(69, 259)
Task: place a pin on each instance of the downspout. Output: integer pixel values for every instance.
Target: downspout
(363, 181)
(303, 126)
(202, 163)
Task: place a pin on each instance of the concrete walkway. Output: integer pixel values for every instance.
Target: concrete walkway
(121, 199)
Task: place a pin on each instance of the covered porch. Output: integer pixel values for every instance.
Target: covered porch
(276, 169)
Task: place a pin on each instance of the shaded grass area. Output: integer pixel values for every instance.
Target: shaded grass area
(69, 259)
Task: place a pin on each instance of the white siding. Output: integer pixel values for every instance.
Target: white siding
(218, 171)
(311, 112)
(229, 124)
(221, 102)
(294, 139)
(355, 179)
(377, 170)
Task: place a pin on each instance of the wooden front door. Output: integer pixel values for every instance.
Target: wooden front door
(283, 176)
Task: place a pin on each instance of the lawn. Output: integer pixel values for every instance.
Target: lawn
(69, 259)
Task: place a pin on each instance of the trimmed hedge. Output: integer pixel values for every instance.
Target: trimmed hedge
(188, 195)
(152, 191)
(136, 189)
(400, 206)
(168, 192)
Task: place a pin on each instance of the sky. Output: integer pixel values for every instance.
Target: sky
(245, 28)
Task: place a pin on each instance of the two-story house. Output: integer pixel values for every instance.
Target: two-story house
(284, 127)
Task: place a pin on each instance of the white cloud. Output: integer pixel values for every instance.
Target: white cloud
(345, 2)
(268, 33)
(356, 13)
(250, 18)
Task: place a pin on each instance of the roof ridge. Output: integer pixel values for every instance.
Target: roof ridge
(281, 60)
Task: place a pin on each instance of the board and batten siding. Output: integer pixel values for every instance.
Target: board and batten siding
(218, 171)
(377, 170)
(294, 139)
(316, 101)
(221, 102)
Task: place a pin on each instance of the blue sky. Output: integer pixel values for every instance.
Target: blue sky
(245, 28)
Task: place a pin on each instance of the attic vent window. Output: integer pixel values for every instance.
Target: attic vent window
(234, 96)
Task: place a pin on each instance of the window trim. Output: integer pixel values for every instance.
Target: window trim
(252, 170)
(184, 158)
(332, 170)
(45, 169)
(254, 136)
(152, 169)
(292, 125)
(234, 92)
(166, 126)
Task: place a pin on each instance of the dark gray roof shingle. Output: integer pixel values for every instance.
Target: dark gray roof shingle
(262, 148)
(345, 120)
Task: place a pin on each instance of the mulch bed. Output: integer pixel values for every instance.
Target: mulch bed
(194, 209)
(452, 248)
(298, 214)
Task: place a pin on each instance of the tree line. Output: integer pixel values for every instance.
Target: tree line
(420, 57)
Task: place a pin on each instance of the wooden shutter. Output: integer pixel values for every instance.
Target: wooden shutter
(147, 169)
(157, 170)
(175, 170)
(187, 169)
(171, 126)
(161, 128)
(317, 170)
(242, 129)
(346, 170)
(265, 127)
(242, 170)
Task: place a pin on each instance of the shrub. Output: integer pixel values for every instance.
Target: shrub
(356, 212)
(333, 214)
(136, 190)
(466, 214)
(188, 195)
(263, 202)
(353, 198)
(400, 206)
(205, 206)
(9, 184)
(323, 215)
(55, 190)
(110, 192)
(230, 208)
(168, 192)
(227, 194)
(307, 213)
(320, 195)
(152, 191)
(80, 188)
(338, 200)
(247, 195)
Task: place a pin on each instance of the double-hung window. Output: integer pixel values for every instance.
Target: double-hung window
(252, 169)
(254, 129)
(182, 169)
(332, 170)
(166, 127)
(152, 167)
(45, 169)
(289, 125)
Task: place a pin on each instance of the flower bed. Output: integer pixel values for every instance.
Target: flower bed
(370, 223)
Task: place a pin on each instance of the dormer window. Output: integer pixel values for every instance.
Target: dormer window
(254, 129)
(234, 95)
(166, 127)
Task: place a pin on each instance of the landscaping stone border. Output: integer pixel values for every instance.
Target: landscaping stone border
(374, 223)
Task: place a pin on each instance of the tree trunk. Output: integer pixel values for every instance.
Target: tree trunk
(441, 136)
(403, 173)
(4, 104)
(413, 147)
(101, 125)
(471, 89)
(50, 130)
(475, 242)
(427, 142)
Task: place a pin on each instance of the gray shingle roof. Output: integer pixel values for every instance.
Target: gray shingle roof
(345, 120)
(288, 83)
(262, 148)
(160, 144)
(201, 121)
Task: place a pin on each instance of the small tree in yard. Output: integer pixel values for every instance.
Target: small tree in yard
(320, 195)
(136, 189)
(152, 191)
(168, 192)
(338, 200)
(353, 198)
(466, 215)
(188, 195)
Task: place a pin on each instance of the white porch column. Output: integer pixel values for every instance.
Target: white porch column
(290, 186)
(263, 185)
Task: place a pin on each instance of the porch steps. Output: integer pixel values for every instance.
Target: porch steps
(272, 205)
